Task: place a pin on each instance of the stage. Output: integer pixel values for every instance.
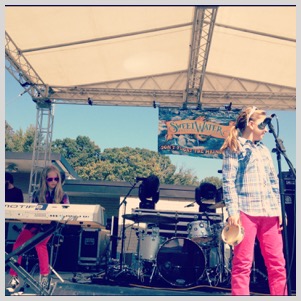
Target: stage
(125, 283)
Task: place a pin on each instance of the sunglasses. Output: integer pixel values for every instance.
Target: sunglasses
(51, 179)
(261, 125)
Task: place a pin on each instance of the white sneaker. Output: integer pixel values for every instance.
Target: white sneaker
(13, 284)
(44, 282)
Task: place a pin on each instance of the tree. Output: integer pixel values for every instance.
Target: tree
(19, 141)
(114, 164)
(9, 133)
(29, 136)
(125, 164)
(79, 152)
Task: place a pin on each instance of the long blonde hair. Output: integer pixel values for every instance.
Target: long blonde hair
(58, 194)
(250, 113)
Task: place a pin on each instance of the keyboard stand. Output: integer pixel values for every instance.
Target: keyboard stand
(31, 243)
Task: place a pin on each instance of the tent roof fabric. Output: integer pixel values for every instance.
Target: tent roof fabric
(133, 55)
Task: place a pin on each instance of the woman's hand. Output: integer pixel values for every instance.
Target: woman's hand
(234, 220)
(280, 222)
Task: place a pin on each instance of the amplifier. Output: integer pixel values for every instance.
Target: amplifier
(289, 181)
(93, 247)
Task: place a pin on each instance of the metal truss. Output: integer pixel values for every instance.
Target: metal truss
(168, 90)
(19, 67)
(42, 143)
(202, 31)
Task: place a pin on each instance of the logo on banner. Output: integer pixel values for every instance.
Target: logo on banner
(194, 132)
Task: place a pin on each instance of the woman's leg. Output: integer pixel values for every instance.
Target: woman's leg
(43, 256)
(243, 255)
(271, 245)
(23, 237)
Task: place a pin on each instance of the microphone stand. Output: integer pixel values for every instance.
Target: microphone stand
(190, 205)
(280, 149)
(123, 226)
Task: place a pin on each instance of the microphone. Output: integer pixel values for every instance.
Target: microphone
(140, 179)
(269, 119)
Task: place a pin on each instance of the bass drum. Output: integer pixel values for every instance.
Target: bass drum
(181, 262)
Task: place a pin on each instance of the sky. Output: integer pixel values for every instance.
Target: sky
(111, 127)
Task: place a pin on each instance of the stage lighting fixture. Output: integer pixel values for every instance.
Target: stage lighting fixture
(90, 101)
(149, 192)
(205, 195)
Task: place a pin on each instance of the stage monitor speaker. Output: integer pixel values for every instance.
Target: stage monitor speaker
(93, 247)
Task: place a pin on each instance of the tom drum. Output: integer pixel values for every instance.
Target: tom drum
(149, 247)
(199, 231)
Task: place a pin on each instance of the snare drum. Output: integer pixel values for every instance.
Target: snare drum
(199, 231)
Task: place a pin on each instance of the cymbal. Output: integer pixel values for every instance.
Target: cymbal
(217, 205)
(208, 201)
(148, 218)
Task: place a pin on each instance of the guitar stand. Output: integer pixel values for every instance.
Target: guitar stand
(31, 243)
(34, 284)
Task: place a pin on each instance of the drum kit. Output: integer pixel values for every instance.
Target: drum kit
(180, 261)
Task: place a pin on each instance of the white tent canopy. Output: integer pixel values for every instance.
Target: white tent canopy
(135, 55)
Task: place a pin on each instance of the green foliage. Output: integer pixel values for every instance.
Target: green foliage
(19, 141)
(9, 133)
(113, 164)
(79, 152)
(125, 164)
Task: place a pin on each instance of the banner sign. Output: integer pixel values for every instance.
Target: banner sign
(194, 132)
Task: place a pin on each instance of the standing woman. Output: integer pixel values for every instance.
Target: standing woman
(252, 199)
(50, 191)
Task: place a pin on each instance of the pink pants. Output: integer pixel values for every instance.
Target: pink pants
(41, 249)
(271, 245)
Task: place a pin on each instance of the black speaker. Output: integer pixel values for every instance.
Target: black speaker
(65, 251)
(289, 183)
(114, 237)
(12, 230)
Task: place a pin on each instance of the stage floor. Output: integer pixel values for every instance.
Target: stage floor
(126, 284)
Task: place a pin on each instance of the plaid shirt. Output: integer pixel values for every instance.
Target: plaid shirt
(250, 182)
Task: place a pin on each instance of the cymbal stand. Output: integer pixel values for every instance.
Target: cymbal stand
(222, 251)
(153, 271)
(121, 259)
(227, 268)
(176, 224)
